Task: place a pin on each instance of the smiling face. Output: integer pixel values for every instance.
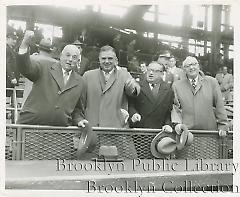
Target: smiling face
(191, 67)
(154, 72)
(108, 60)
(69, 57)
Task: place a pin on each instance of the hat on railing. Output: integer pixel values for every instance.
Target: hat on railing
(165, 143)
(87, 141)
(45, 45)
(184, 137)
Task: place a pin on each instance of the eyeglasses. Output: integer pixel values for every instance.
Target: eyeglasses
(154, 71)
(188, 65)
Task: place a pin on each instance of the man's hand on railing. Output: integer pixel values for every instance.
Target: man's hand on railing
(167, 128)
(222, 133)
(136, 117)
(82, 123)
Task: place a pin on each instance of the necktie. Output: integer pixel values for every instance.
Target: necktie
(154, 90)
(194, 84)
(65, 77)
(107, 76)
(152, 85)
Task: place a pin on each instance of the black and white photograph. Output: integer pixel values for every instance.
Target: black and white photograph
(119, 98)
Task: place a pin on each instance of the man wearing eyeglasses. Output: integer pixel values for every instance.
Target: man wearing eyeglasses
(152, 107)
(198, 99)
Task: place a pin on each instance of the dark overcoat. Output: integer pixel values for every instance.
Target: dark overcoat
(155, 112)
(50, 102)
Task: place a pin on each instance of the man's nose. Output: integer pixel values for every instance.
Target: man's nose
(70, 58)
(191, 66)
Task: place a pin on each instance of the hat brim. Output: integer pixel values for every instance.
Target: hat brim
(182, 139)
(12, 36)
(156, 150)
(87, 140)
(44, 48)
(165, 55)
(190, 139)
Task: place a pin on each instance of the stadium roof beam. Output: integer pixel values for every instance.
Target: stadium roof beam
(63, 16)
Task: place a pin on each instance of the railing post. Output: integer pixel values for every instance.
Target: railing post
(224, 147)
(15, 104)
(19, 143)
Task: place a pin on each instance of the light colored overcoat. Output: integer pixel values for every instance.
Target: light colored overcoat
(104, 101)
(203, 107)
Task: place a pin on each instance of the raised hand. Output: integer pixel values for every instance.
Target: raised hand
(27, 39)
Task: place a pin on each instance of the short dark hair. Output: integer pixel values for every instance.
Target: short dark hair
(155, 62)
(107, 48)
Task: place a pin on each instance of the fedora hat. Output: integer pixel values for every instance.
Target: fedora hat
(184, 137)
(45, 45)
(166, 54)
(163, 144)
(77, 43)
(87, 141)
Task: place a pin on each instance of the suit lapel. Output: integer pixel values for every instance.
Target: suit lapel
(199, 84)
(56, 73)
(101, 79)
(161, 93)
(110, 81)
(72, 81)
(146, 90)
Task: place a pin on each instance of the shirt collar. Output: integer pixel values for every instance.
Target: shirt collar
(196, 79)
(64, 71)
(109, 73)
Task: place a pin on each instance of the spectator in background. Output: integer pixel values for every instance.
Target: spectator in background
(118, 44)
(198, 99)
(45, 49)
(219, 75)
(12, 73)
(133, 65)
(131, 49)
(178, 73)
(92, 56)
(152, 107)
(163, 59)
(83, 64)
(143, 67)
(225, 81)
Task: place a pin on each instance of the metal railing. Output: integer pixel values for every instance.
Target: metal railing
(32, 142)
(12, 104)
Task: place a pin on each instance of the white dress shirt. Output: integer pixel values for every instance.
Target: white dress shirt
(107, 75)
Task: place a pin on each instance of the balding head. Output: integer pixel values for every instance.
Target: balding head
(69, 57)
(154, 72)
(191, 67)
(190, 60)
